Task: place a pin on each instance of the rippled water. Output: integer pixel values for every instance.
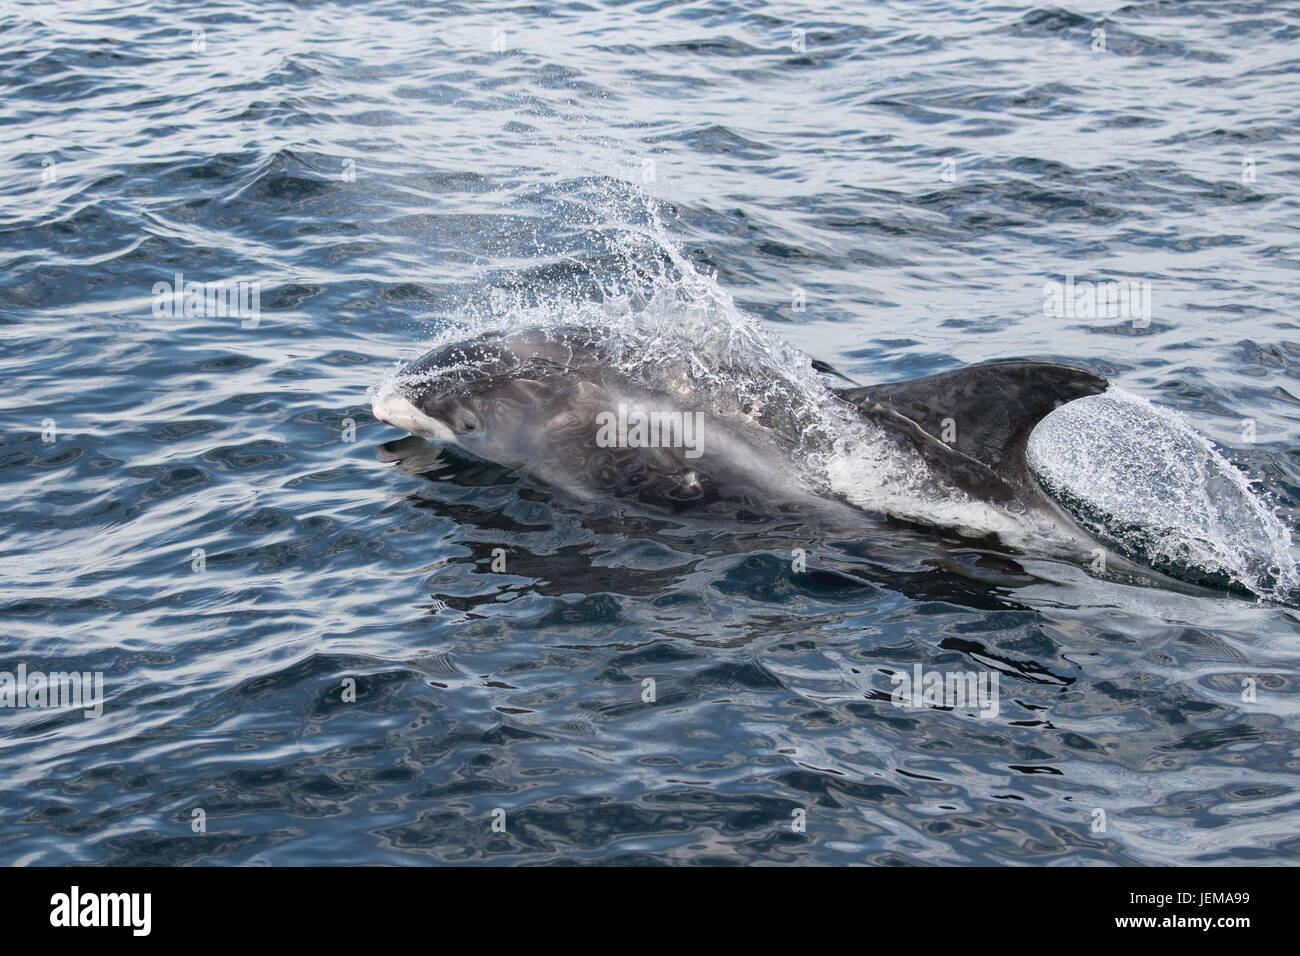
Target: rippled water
(384, 170)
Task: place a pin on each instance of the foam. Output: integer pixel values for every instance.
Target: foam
(1173, 501)
(1140, 477)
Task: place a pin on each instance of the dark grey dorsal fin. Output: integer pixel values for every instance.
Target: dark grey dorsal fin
(827, 369)
(992, 408)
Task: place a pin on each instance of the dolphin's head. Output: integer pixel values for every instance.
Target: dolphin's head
(499, 396)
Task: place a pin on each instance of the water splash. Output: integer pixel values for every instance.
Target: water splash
(1142, 479)
(670, 327)
(1138, 477)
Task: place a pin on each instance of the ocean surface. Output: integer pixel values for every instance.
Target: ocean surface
(321, 642)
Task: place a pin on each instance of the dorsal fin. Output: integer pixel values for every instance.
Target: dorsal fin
(985, 412)
(828, 369)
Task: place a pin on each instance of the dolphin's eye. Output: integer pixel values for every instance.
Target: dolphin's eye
(466, 421)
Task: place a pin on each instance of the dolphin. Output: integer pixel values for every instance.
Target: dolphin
(550, 403)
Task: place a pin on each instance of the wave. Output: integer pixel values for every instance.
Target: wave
(1140, 478)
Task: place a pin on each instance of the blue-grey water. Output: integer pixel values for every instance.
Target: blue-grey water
(195, 505)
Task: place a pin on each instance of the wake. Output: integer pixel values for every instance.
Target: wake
(1140, 478)
(1135, 476)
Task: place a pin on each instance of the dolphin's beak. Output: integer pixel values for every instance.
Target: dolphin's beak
(389, 405)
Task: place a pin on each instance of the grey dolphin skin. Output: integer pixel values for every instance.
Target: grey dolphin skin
(551, 404)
